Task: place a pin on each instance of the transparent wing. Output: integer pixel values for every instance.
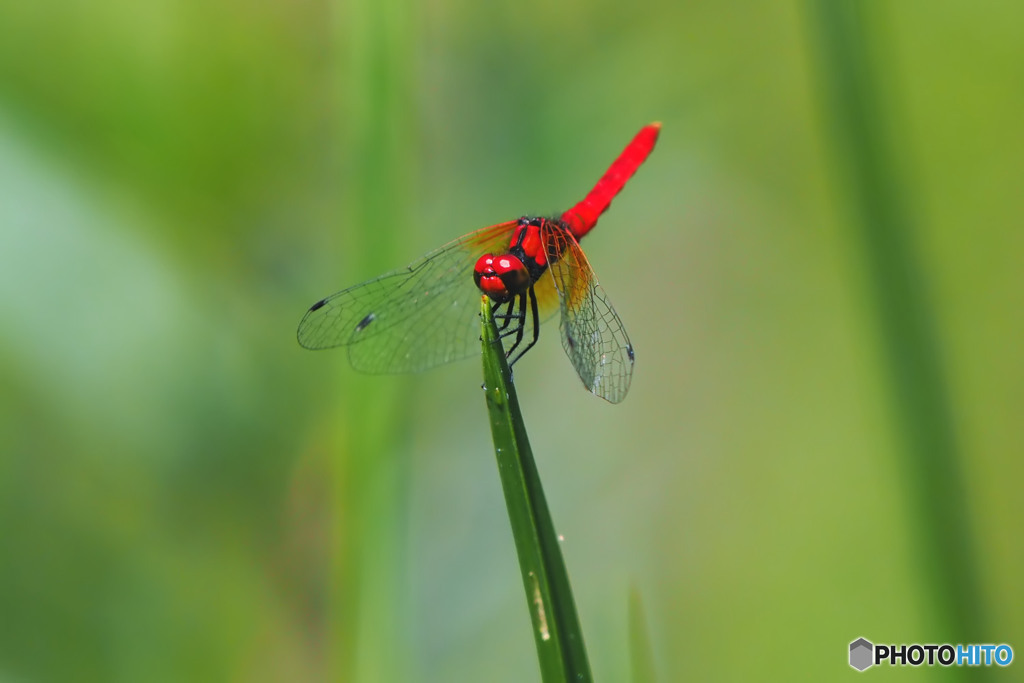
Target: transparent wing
(413, 318)
(592, 334)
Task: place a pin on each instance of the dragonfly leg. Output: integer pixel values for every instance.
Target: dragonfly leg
(520, 325)
(508, 316)
(535, 317)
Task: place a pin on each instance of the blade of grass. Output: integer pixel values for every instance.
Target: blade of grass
(931, 457)
(556, 627)
(375, 160)
(641, 654)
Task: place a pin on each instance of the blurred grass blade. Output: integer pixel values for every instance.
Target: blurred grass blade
(920, 399)
(556, 627)
(375, 162)
(641, 654)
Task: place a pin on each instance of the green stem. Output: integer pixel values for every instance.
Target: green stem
(556, 627)
(931, 457)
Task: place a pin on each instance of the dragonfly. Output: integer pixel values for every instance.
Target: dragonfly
(427, 314)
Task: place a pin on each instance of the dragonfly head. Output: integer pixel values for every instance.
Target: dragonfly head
(502, 278)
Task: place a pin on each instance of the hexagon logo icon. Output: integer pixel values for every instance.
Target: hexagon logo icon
(861, 654)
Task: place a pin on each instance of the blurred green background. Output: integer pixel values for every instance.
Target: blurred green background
(819, 268)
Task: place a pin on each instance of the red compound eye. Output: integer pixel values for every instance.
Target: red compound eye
(503, 265)
(500, 277)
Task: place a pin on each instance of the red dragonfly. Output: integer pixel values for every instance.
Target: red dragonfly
(427, 314)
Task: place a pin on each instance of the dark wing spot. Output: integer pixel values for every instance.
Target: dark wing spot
(572, 342)
(365, 322)
(318, 304)
(629, 351)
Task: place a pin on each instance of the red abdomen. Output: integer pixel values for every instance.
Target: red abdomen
(581, 218)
